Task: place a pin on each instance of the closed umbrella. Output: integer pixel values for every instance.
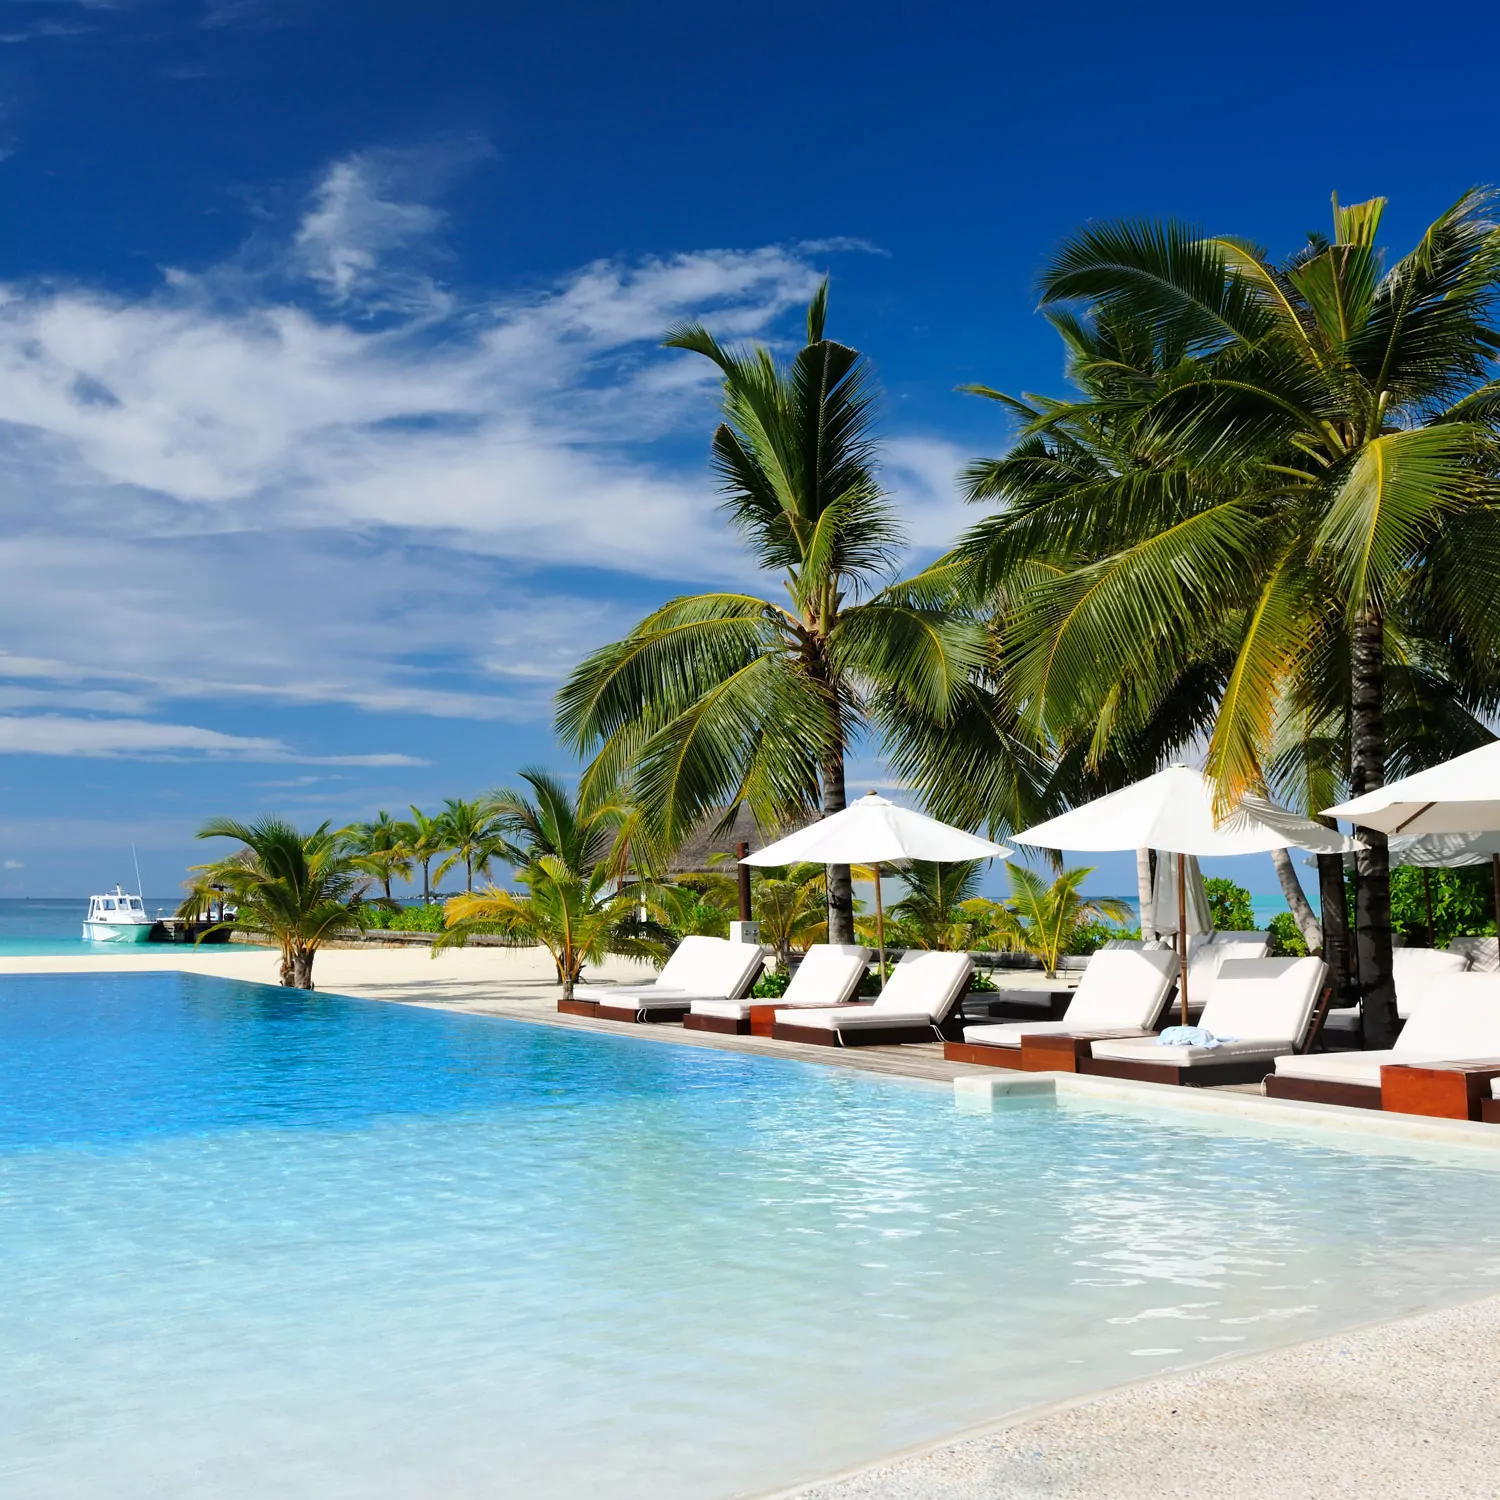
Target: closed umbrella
(874, 831)
(1174, 811)
(1192, 901)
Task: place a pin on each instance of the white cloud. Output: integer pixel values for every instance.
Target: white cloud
(15, 864)
(61, 734)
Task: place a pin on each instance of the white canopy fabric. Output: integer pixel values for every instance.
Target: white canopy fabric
(1164, 905)
(1460, 796)
(1174, 811)
(1443, 851)
(874, 830)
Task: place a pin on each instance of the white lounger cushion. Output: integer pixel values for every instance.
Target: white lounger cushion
(921, 991)
(1121, 990)
(706, 967)
(1421, 972)
(1483, 953)
(829, 974)
(1461, 1022)
(1266, 1004)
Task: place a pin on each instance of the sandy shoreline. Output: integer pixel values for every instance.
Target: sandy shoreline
(1407, 1409)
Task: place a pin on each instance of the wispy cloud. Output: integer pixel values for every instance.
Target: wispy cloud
(60, 734)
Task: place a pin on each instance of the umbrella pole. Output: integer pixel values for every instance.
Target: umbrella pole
(880, 927)
(1182, 942)
(1431, 930)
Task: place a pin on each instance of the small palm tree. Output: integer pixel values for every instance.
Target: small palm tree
(791, 905)
(572, 858)
(472, 832)
(300, 890)
(426, 839)
(382, 848)
(720, 699)
(937, 910)
(1043, 919)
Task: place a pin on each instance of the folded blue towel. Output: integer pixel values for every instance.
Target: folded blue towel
(1190, 1036)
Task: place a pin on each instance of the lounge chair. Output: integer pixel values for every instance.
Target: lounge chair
(701, 968)
(1460, 1024)
(1418, 972)
(829, 974)
(1247, 940)
(920, 996)
(1265, 1004)
(1122, 992)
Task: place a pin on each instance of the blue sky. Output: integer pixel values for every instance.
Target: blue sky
(334, 427)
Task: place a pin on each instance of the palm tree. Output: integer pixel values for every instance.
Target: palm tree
(791, 905)
(726, 698)
(300, 890)
(471, 831)
(1288, 488)
(426, 838)
(938, 909)
(1044, 919)
(381, 845)
(570, 859)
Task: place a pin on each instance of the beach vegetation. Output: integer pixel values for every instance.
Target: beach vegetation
(471, 836)
(1229, 904)
(1287, 940)
(382, 848)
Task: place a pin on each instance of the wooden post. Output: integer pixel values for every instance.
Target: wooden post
(740, 851)
(1427, 887)
(1182, 940)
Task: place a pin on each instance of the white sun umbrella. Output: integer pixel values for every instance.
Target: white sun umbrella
(1461, 796)
(875, 831)
(1174, 811)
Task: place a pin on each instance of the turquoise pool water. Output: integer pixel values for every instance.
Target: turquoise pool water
(257, 1243)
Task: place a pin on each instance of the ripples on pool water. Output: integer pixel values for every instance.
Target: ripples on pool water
(256, 1243)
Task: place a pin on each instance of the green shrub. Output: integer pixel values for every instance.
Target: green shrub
(771, 985)
(1090, 937)
(980, 983)
(1230, 905)
(1463, 903)
(408, 918)
(1286, 936)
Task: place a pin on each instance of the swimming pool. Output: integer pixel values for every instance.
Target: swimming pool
(258, 1243)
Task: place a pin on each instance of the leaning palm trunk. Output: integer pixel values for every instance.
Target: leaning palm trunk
(1143, 889)
(1373, 893)
(1296, 900)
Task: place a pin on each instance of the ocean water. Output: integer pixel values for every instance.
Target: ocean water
(257, 1243)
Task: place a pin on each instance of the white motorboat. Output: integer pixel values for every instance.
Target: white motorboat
(117, 918)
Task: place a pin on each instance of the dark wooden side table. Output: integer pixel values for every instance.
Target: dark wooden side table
(1061, 1051)
(1447, 1091)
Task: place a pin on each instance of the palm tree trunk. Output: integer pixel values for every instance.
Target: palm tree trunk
(1372, 909)
(1335, 922)
(288, 969)
(840, 880)
(426, 881)
(302, 964)
(1291, 888)
(469, 873)
(1144, 893)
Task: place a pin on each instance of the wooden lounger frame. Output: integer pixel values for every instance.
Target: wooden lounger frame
(1321, 1091)
(1198, 1075)
(578, 1007)
(1042, 1052)
(758, 1023)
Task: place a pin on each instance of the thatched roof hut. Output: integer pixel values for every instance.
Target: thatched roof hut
(695, 855)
